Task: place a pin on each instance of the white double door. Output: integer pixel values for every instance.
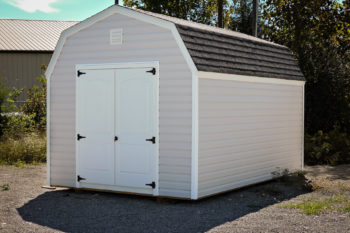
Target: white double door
(117, 127)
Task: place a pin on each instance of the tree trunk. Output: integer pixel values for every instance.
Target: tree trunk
(255, 18)
(220, 13)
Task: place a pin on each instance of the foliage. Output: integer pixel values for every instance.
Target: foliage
(35, 105)
(241, 17)
(30, 148)
(318, 33)
(21, 129)
(5, 187)
(7, 104)
(237, 13)
(327, 148)
(313, 206)
(201, 11)
(18, 124)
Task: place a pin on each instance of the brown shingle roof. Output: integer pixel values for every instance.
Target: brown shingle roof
(223, 51)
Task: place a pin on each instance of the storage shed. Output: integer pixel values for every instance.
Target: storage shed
(144, 103)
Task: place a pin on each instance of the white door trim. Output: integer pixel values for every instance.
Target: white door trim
(128, 65)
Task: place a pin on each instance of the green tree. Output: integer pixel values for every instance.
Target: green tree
(201, 11)
(318, 32)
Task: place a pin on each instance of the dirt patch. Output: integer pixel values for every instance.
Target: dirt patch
(26, 207)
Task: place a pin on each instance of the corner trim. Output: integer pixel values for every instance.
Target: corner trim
(195, 135)
(48, 133)
(303, 129)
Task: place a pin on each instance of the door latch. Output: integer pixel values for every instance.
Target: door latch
(153, 140)
(153, 185)
(80, 137)
(115, 138)
(79, 178)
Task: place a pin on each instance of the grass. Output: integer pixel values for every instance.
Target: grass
(5, 187)
(315, 206)
(328, 195)
(325, 185)
(29, 149)
(346, 208)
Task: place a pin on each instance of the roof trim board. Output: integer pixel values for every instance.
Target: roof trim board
(245, 78)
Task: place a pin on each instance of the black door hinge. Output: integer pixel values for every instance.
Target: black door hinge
(80, 137)
(115, 138)
(153, 140)
(153, 185)
(80, 178)
(153, 71)
(80, 73)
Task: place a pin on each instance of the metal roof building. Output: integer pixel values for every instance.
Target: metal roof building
(26, 45)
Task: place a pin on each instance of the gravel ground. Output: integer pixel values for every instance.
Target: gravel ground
(26, 207)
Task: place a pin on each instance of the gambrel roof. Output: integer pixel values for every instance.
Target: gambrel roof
(220, 50)
(213, 49)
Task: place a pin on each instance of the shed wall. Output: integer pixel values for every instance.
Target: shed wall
(247, 131)
(20, 70)
(142, 42)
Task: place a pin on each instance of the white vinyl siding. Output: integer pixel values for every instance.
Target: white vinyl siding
(142, 42)
(247, 131)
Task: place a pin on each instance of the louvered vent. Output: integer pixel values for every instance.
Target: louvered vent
(116, 36)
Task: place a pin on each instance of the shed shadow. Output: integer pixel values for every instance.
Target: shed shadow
(68, 211)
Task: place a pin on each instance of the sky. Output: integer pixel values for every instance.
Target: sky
(76, 10)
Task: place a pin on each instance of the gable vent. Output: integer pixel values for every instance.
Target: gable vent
(116, 36)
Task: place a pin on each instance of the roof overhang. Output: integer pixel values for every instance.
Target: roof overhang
(27, 51)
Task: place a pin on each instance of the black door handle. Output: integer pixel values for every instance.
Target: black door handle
(153, 140)
(153, 71)
(80, 137)
(153, 185)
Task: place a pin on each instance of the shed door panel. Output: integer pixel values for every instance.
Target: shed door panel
(135, 122)
(96, 122)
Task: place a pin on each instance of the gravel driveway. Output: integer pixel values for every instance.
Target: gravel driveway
(26, 207)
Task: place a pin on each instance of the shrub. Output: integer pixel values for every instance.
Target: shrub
(18, 124)
(35, 105)
(7, 104)
(30, 148)
(330, 148)
(5, 187)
